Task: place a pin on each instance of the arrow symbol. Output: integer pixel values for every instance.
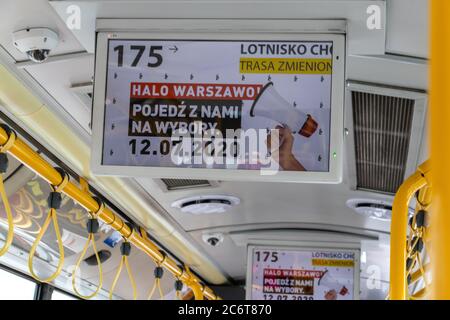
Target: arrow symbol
(115, 75)
(166, 76)
(295, 104)
(320, 132)
(321, 105)
(113, 126)
(217, 77)
(243, 77)
(322, 79)
(295, 78)
(192, 76)
(111, 152)
(174, 49)
(269, 78)
(140, 75)
(114, 101)
(319, 158)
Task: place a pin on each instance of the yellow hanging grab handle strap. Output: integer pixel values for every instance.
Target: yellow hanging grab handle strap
(3, 168)
(125, 250)
(92, 228)
(178, 287)
(158, 273)
(54, 201)
(156, 284)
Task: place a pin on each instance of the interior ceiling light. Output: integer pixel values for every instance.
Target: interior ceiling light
(375, 209)
(208, 204)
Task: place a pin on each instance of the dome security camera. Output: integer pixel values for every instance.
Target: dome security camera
(36, 43)
(213, 239)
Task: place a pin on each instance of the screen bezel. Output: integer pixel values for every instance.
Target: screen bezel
(334, 175)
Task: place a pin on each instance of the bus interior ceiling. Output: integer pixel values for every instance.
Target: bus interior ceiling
(391, 60)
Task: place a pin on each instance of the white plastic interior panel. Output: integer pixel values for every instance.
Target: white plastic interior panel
(362, 40)
(59, 77)
(407, 27)
(389, 70)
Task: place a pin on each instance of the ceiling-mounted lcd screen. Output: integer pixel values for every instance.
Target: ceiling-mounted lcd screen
(289, 273)
(241, 107)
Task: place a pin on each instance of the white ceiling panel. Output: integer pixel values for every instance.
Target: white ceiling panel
(407, 27)
(362, 40)
(59, 77)
(374, 251)
(272, 203)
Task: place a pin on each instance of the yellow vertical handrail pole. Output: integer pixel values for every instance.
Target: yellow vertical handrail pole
(440, 147)
(195, 286)
(399, 225)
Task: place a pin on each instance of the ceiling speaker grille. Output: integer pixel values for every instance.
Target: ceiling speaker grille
(382, 128)
(177, 184)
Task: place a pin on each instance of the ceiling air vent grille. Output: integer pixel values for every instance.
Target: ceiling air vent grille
(177, 184)
(382, 131)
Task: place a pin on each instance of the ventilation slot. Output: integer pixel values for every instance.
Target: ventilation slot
(206, 201)
(382, 129)
(83, 91)
(177, 184)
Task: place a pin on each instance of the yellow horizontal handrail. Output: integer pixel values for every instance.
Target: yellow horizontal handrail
(9, 216)
(26, 155)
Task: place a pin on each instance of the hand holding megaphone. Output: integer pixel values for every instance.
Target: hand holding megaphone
(269, 104)
(282, 153)
(330, 282)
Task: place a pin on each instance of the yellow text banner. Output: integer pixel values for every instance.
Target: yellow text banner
(332, 263)
(285, 66)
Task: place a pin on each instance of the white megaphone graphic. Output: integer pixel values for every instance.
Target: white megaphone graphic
(331, 283)
(269, 104)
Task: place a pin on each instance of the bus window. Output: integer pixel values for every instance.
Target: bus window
(15, 287)
(58, 295)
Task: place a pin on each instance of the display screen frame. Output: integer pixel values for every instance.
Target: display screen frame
(310, 246)
(335, 156)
